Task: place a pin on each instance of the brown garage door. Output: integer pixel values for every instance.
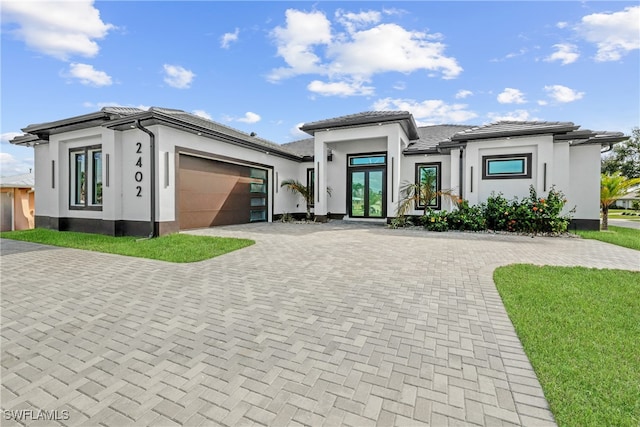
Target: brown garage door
(218, 193)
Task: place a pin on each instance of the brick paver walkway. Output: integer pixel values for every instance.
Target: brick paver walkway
(333, 324)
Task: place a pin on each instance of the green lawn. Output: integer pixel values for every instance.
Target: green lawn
(580, 328)
(617, 214)
(172, 248)
(627, 237)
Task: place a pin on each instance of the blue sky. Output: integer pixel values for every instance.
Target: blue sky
(267, 67)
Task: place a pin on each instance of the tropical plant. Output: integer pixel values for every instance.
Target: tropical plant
(612, 188)
(423, 193)
(296, 186)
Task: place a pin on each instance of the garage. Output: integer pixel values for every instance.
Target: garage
(213, 192)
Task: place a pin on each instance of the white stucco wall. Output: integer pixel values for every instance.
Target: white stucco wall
(584, 192)
(409, 170)
(385, 138)
(167, 139)
(46, 196)
(542, 151)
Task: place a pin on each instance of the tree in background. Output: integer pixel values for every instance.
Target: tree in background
(612, 188)
(624, 158)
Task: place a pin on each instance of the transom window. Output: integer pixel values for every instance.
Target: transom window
(85, 184)
(428, 180)
(378, 159)
(509, 166)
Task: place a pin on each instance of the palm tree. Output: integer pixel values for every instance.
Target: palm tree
(612, 188)
(414, 194)
(296, 186)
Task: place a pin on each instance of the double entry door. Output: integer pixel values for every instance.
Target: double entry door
(367, 185)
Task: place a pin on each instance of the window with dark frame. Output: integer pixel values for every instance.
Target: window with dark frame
(428, 174)
(507, 166)
(311, 181)
(258, 192)
(85, 183)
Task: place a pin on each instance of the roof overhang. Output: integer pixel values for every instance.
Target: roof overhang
(404, 119)
(155, 117)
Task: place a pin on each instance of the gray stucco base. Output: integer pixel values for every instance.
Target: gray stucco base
(584, 224)
(109, 228)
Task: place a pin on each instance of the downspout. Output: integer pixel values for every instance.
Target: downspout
(461, 172)
(152, 171)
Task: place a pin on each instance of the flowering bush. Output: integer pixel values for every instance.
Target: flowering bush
(530, 215)
(435, 220)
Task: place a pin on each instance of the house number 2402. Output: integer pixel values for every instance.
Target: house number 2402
(138, 175)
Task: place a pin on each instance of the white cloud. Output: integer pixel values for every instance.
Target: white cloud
(463, 93)
(511, 96)
(178, 77)
(8, 136)
(203, 114)
(249, 117)
(352, 21)
(57, 28)
(566, 53)
(563, 94)
(428, 112)
(88, 75)
(517, 116)
(309, 45)
(339, 88)
(296, 40)
(228, 38)
(615, 34)
(10, 165)
(400, 85)
(562, 24)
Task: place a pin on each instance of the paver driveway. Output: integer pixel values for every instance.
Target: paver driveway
(333, 324)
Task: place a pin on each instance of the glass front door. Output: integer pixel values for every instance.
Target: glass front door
(367, 193)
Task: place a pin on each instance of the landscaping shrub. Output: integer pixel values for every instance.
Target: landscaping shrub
(467, 218)
(435, 220)
(530, 215)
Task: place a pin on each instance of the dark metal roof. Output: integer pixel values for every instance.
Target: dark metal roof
(302, 147)
(365, 118)
(430, 137)
(513, 128)
(26, 139)
(80, 122)
(187, 121)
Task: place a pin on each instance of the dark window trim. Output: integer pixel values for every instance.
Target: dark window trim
(378, 166)
(527, 157)
(311, 185)
(88, 165)
(363, 155)
(438, 166)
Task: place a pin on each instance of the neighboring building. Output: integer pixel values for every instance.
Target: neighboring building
(17, 202)
(95, 172)
(626, 202)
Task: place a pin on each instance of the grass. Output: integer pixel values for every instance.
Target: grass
(580, 328)
(173, 247)
(617, 214)
(627, 237)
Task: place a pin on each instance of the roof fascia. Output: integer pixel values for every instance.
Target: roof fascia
(411, 129)
(504, 134)
(151, 118)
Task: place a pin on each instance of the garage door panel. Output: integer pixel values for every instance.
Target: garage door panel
(214, 193)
